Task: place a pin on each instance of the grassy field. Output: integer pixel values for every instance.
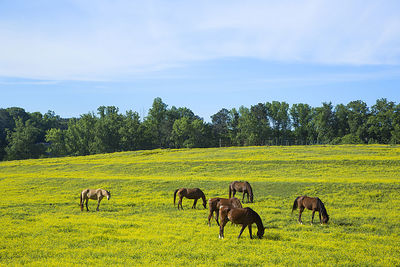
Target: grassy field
(41, 222)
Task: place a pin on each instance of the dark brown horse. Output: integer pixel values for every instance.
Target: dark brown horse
(190, 193)
(244, 187)
(95, 194)
(311, 203)
(215, 203)
(243, 216)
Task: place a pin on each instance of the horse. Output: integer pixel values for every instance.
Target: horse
(311, 203)
(243, 216)
(190, 193)
(93, 194)
(244, 187)
(215, 203)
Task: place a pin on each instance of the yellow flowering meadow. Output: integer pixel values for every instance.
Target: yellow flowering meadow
(42, 223)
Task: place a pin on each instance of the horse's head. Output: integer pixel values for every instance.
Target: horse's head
(108, 195)
(260, 232)
(325, 218)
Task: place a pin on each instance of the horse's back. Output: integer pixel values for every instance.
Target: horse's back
(194, 193)
(231, 202)
(241, 215)
(310, 203)
(91, 193)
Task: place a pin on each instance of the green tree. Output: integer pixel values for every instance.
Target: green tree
(6, 124)
(107, 130)
(80, 136)
(381, 121)
(278, 114)
(358, 114)
(395, 139)
(156, 122)
(253, 125)
(221, 122)
(56, 139)
(341, 120)
(131, 132)
(23, 141)
(302, 116)
(181, 131)
(324, 121)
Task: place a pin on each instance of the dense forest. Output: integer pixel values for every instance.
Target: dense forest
(32, 135)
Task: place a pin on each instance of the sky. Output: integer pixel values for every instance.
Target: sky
(72, 56)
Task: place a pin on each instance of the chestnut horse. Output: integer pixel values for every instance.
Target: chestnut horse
(95, 194)
(215, 203)
(244, 187)
(311, 203)
(243, 216)
(190, 193)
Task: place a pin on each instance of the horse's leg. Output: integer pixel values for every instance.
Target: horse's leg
(312, 217)
(86, 204)
(98, 204)
(241, 230)
(180, 202)
(251, 236)
(209, 217)
(243, 197)
(320, 221)
(221, 227)
(300, 211)
(82, 200)
(216, 216)
(194, 204)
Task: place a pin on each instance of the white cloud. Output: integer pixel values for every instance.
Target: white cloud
(105, 40)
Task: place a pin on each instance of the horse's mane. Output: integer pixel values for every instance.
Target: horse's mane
(249, 189)
(257, 217)
(322, 209)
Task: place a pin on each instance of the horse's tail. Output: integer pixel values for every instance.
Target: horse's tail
(250, 190)
(295, 204)
(230, 190)
(175, 195)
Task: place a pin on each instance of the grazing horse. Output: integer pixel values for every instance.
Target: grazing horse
(93, 194)
(190, 193)
(241, 187)
(243, 216)
(215, 203)
(311, 203)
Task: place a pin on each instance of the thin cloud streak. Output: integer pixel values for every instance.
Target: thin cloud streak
(112, 40)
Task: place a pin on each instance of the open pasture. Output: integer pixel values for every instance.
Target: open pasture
(41, 221)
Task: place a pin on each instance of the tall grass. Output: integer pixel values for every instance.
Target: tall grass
(42, 222)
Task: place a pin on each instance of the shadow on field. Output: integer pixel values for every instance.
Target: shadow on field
(273, 236)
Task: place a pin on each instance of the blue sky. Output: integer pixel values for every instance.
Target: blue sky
(74, 56)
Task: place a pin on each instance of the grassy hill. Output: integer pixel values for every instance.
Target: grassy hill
(42, 222)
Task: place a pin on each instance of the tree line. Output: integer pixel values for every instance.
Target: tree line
(26, 135)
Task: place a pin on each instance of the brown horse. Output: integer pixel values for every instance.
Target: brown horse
(243, 216)
(93, 194)
(311, 203)
(190, 193)
(215, 203)
(244, 187)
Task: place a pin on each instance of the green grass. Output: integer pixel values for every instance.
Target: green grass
(41, 222)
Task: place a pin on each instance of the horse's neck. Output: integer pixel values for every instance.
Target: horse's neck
(258, 222)
(248, 188)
